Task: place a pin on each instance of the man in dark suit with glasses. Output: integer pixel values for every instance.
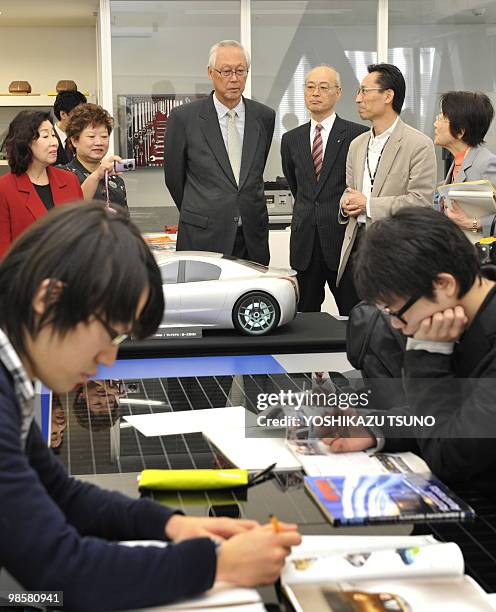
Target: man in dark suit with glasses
(215, 154)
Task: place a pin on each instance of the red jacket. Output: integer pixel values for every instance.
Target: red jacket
(20, 205)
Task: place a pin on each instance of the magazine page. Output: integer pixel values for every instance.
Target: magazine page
(364, 563)
(458, 594)
(317, 460)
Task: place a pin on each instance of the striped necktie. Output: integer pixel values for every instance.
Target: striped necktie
(233, 145)
(317, 150)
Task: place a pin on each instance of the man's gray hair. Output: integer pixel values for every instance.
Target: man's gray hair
(212, 56)
(338, 76)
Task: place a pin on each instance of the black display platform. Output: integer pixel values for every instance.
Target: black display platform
(310, 332)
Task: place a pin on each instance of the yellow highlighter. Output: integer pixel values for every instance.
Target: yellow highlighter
(192, 480)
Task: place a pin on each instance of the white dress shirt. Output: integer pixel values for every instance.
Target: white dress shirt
(375, 149)
(222, 113)
(324, 132)
(62, 135)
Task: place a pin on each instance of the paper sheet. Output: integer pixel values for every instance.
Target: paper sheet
(187, 421)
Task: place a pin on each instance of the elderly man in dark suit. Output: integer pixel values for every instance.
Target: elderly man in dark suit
(314, 163)
(215, 154)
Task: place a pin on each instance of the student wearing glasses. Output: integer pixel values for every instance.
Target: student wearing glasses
(388, 168)
(60, 318)
(428, 279)
(215, 154)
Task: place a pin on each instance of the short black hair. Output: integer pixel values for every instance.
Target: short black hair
(66, 101)
(23, 129)
(470, 113)
(98, 257)
(390, 77)
(402, 255)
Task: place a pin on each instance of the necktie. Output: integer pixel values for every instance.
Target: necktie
(233, 145)
(317, 151)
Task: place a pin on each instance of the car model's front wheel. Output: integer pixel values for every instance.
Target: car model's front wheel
(256, 313)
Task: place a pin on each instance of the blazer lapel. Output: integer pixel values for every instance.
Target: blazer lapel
(305, 151)
(58, 184)
(334, 143)
(32, 202)
(211, 130)
(390, 151)
(467, 163)
(250, 142)
(361, 155)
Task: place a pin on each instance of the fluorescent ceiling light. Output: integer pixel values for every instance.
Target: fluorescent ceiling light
(140, 402)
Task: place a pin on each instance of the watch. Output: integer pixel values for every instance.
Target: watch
(475, 226)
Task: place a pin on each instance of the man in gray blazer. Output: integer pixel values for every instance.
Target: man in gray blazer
(215, 154)
(390, 167)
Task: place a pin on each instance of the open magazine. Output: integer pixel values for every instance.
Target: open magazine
(477, 198)
(317, 460)
(410, 573)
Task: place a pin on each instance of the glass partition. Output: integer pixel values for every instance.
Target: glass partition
(159, 58)
(291, 37)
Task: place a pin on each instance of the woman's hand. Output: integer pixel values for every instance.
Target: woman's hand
(460, 217)
(107, 165)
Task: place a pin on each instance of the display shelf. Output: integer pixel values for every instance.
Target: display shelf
(30, 100)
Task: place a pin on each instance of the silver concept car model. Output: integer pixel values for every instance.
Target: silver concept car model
(211, 290)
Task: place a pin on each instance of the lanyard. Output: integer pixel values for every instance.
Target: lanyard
(107, 195)
(372, 176)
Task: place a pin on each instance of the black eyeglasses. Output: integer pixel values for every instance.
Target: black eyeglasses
(398, 314)
(115, 337)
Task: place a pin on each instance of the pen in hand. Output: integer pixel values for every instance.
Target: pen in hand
(275, 523)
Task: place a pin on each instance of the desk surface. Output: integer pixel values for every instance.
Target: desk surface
(309, 332)
(90, 454)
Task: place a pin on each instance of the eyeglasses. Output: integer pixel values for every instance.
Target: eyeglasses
(398, 314)
(365, 90)
(115, 337)
(227, 72)
(323, 87)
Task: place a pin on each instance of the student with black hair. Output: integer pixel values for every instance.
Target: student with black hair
(61, 317)
(461, 127)
(428, 280)
(388, 168)
(63, 105)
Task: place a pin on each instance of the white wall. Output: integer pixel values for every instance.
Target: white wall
(44, 55)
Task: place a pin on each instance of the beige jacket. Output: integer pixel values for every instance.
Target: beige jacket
(406, 176)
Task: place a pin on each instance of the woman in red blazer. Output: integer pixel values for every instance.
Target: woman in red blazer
(32, 186)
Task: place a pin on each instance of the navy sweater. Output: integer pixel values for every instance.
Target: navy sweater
(57, 533)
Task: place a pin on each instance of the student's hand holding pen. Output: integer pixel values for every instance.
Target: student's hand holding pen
(258, 556)
(180, 527)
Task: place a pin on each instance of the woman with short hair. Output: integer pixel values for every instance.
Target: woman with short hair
(32, 187)
(461, 127)
(88, 131)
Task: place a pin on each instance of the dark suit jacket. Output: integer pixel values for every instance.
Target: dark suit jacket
(20, 205)
(317, 202)
(62, 156)
(200, 179)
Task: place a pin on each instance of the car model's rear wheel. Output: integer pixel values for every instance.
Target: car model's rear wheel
(256, 313)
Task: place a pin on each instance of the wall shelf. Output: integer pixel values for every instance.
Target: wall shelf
(31, 100)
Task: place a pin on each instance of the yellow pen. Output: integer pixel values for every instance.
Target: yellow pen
(275, 523)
